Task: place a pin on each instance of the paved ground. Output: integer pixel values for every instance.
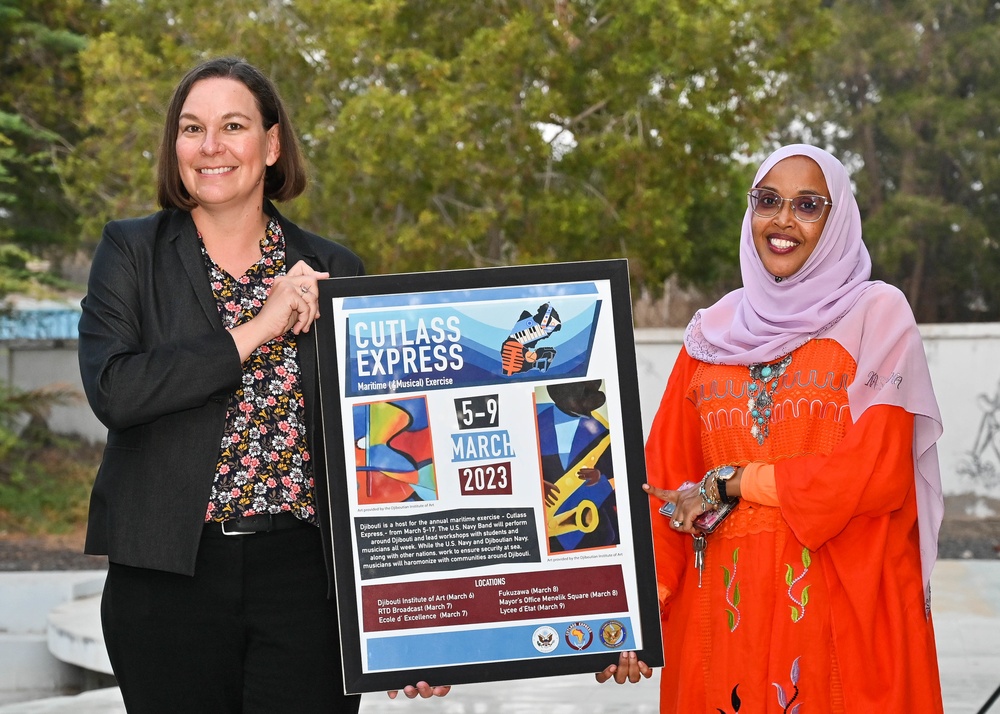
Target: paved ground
(962, 538)
(24, 553)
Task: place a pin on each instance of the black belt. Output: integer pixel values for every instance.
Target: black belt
(261, 523)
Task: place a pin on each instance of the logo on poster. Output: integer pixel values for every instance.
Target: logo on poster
(545, 639)
(613, 633)
(579, 636)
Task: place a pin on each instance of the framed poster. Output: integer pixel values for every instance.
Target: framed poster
(484, 455)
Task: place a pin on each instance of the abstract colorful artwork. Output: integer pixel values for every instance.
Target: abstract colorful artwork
(393, 452)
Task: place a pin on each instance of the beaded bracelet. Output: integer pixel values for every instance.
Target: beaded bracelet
(712, 486)
(703, 492)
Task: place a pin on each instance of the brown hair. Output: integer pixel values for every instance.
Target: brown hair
(284, 180)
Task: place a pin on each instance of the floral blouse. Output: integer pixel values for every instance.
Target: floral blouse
(264, 463)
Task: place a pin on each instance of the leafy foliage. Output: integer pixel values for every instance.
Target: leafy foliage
(908, 95)
(475, 134)
(513, 131)
(40, 89)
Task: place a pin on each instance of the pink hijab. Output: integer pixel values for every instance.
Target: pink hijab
(831, 296)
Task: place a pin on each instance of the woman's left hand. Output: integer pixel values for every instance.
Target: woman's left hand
(304, 284)
(628, 669)
(292, 304)
(422, 689)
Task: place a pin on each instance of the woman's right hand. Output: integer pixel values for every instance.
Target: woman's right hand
(628, 669)
(422, 690)
(688, 506)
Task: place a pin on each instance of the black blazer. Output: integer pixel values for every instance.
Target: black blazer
(158, 369)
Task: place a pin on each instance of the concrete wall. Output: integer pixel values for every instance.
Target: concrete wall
(53, 366)
(964, 363)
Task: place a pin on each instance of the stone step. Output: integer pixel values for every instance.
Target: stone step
(27, 664)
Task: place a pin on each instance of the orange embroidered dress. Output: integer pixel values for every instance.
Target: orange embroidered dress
(816, 605)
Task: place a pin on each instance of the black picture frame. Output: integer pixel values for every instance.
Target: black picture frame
(341, 360)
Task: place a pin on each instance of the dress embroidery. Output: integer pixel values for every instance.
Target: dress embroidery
(264, 461)
(791, 579)
(764, 380)
(732, 593)
(734, 699)
(784, 701)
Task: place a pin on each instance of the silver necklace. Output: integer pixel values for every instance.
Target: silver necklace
(764, 378)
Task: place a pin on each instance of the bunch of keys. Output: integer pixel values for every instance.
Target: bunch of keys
(699, 540)
(699, 554)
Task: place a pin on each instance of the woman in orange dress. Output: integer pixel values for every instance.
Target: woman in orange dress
(804, 397)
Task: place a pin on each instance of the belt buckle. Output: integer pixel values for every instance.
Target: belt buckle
(236, 533)
(227, 532)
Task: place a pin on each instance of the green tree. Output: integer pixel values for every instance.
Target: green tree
(446, 135)
(908, 96)
(503, 132)
(39, 99)
(129, 71)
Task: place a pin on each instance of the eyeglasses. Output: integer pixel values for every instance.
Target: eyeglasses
(766, 204)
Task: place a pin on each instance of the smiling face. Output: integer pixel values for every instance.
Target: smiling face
(222, 147)
(783, 242)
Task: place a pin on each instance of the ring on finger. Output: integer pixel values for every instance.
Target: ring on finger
(304, 289)
(676, 523)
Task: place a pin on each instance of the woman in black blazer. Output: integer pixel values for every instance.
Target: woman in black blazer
(196, 352)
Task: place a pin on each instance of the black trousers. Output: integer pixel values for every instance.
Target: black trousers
(251, 633)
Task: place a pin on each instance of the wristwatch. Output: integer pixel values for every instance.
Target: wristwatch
(723, 474)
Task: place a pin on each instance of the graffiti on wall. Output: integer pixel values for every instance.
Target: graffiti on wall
(982, 462)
